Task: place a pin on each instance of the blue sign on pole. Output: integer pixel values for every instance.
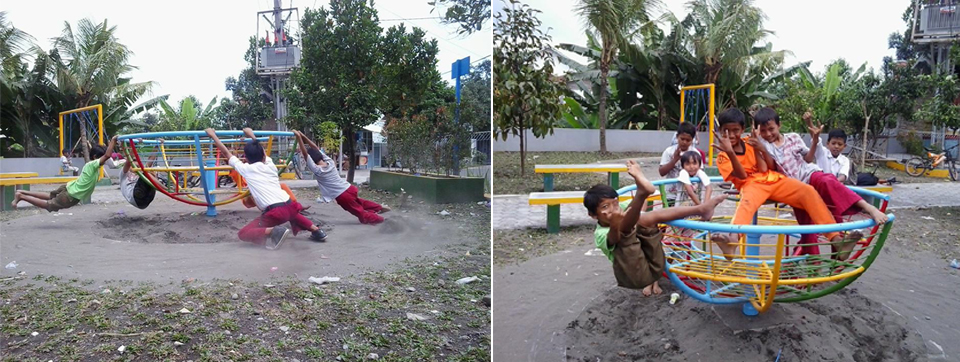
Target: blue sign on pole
(459, 68)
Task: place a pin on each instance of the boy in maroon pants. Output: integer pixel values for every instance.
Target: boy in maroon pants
(264, 183)
(333, 187)
(796, 160)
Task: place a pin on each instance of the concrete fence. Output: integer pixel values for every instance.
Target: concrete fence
(588, 140)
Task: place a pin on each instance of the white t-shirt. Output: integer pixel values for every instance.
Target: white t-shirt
(684, 178)
(262, 180)
(665, 159)
(837, 166)
(328, 178)
(127, 182)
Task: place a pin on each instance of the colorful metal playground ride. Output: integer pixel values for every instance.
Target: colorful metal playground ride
(191, 153)
(767, 271)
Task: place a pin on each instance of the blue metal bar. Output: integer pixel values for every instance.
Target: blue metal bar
(776, 229)
(202, 133)
(204, 179)
(699, 295)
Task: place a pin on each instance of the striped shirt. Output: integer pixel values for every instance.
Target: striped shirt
(789, 157)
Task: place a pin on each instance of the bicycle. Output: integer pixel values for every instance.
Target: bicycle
(916, 166)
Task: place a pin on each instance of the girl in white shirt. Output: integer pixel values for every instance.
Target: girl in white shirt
(691, 161)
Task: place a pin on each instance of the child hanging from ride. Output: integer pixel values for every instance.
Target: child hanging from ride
(333, 187)
(631, 239)
(743, 162)
(66, 165)
(692, 162)
(72, 192)
(137, 191)
(261, 176)
(791, 156)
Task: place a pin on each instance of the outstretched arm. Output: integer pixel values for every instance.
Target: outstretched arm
(223, 149)
(811, 155)
(106, 155)
(722, 144)
(249, 132)
(303, 149)
(692, 193)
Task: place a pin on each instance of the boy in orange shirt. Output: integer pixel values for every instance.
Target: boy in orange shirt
(738, 163)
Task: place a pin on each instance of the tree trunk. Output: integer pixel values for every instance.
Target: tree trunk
(83, 142)
(523, 153)
(603, 108)
(866, 123)
(351, 153)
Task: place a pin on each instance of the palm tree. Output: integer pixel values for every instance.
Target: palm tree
(91, 65)
(726, 36)
(612, 20)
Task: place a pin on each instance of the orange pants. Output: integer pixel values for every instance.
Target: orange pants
(788, 191)
(248, 201)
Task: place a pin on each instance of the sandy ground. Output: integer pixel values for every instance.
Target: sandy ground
(167, 242)
(565, 306)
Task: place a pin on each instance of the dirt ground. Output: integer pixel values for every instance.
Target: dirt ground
(564, 305)
(169, 283)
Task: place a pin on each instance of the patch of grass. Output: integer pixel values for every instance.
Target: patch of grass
(507, 179)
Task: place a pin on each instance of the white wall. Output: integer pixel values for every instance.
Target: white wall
(588, 140)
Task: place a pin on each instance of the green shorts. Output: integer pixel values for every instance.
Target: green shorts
(61, 199)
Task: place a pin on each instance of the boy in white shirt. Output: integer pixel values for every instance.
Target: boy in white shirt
(692, 161)
(263, 181)
(138, 192)
(831, 159)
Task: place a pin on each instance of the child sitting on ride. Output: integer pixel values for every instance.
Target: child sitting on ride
(72, 192)
(743, 162)
(631, 239)
(261, 176)
(831, 159)
(333, 187)
(790, 155)
(670, 164)
(692, 161)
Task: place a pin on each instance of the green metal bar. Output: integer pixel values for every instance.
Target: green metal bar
(553, 219)
(614, 179)
(663, 195)
(547, 182)
(8, 193)
(843, 283)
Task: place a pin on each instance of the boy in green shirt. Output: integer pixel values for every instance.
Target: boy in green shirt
(631, 240)
(69, 195)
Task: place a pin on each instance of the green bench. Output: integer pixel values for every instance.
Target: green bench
(612, 169)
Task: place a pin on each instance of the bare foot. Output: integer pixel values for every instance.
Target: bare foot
(384, 209)
(16, 200)
(710, 206)
(878, 216)
(656, 288)
(726, 244)
(647, 290)
(848, 244)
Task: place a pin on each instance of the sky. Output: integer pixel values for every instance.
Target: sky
(814, 30)
(191, 47)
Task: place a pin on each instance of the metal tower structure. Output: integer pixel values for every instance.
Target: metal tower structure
(276, 59)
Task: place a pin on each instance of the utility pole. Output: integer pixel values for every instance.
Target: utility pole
(277, 59)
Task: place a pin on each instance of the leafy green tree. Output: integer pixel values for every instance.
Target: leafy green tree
(337, 79)
(92, 67)
(613, 21)
(188, 115)
(469, 14)
(475, 98)
(526, 95)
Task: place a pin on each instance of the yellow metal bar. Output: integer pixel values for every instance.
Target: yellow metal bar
(713, 97)
(61, 140)
(269, 145)
(81, 109)
(775, 278)
(683, 96)
(582, 170)
(701, 86)
(99, 109)
(193, 169)
(744, 280)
